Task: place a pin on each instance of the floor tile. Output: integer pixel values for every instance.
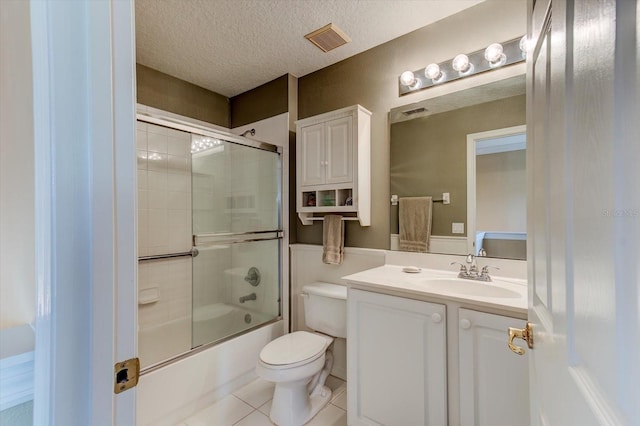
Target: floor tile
(329, 416)
(255, 419)
(340, 401)
(266, 408)
(336, 385)
(256, 393)
(225, 412)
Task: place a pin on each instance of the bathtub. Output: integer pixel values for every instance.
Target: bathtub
(171, 393)
(217, 321)
(16, 365)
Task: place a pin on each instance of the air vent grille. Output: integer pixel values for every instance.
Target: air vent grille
(414, 111)
(328, 37)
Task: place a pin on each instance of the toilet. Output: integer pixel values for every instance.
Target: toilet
(299, 363)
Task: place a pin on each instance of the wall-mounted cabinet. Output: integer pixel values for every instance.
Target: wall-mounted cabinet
(333, 165)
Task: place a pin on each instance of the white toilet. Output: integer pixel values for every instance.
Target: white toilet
(299, 363)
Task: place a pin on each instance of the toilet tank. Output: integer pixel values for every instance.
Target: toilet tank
(325, 308)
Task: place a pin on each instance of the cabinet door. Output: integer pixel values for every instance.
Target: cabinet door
(339, 154)
(311, 157)
(396, 371)
(494, 382)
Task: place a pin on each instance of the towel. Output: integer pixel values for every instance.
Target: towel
(415, 223)
(333, 239)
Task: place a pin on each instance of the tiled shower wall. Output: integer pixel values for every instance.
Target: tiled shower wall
(164, 227)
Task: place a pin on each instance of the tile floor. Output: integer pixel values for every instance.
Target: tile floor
(250, 405)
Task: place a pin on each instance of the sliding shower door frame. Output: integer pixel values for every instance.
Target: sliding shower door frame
(166, 119)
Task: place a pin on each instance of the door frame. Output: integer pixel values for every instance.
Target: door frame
(472, 140)
(84, 138)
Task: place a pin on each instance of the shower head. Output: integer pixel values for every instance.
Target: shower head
(252, 131)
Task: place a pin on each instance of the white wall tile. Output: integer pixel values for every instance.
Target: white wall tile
(157, 143)
(141, 139)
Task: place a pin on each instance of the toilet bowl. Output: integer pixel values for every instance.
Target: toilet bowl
(300, 362)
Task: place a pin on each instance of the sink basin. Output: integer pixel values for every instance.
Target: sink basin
(470, 288)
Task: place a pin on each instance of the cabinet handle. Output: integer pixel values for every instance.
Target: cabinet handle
(436, 317)
(465, 324)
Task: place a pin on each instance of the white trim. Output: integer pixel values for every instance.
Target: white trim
(84, 138)
(16, 376)
(441, 244)
(472, 140)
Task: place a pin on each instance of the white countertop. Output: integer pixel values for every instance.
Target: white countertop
(430, 283)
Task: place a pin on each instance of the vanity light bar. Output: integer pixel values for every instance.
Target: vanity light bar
(513, 51)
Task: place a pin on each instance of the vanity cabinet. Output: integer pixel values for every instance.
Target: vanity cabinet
(396, 361)
(333, 169)
(417, 362)
(494, 382)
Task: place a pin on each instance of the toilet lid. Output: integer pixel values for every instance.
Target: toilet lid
(293, 348)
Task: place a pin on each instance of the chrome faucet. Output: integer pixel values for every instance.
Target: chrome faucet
(470, 270)
(251, 296)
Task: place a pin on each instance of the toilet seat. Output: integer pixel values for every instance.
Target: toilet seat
(294, 349)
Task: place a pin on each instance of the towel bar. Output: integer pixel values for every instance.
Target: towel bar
(322, 218)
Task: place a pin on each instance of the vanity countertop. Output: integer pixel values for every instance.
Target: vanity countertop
(505, 294)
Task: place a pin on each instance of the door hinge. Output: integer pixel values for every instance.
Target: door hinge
(126, 374)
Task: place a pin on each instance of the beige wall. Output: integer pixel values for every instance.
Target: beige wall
(501, 192)
(370, 79)
(265, 101)
(429, 156)
(162, 91)
(17, 235)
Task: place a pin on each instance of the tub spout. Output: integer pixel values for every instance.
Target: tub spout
(251, 296)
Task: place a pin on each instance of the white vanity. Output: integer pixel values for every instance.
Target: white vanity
(427, 348)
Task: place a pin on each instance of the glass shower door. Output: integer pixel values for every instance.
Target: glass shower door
(236, 232)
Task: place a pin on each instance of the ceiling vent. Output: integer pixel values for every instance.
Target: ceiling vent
(328, 37)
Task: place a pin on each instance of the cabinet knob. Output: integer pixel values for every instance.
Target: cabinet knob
(436, 317)
(465, 324)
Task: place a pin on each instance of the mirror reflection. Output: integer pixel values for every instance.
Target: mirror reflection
(467, 148)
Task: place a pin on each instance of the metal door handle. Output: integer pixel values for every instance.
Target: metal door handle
(525, 334)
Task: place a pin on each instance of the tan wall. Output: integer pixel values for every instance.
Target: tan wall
(17, 204)
(370, 79)
(265, 101)
(429, 156)
(501, 192)
(162, 91)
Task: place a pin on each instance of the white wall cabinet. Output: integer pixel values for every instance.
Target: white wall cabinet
(396, 361)
(333, 164)
(494, 382)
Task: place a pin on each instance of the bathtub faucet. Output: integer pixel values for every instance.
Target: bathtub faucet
(251, 296)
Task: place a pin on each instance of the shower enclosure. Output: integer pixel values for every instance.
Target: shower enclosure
(210, 238)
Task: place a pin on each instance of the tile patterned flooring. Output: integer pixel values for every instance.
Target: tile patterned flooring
(250, 405)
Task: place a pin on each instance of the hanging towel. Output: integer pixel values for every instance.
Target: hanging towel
(333, 239)
(415, 223)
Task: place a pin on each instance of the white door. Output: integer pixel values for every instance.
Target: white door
(84, 143)
(584, 205)
(494, 383)
(397, 361)
(311, 156)
(340, 143)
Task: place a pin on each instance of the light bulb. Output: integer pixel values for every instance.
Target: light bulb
(494, 55)
(523, 45)
(433, 72)
(461, 64)
(407, 78)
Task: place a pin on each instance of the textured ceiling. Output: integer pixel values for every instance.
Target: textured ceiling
(231, 46)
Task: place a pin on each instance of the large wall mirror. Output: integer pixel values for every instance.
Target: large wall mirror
(469, 145)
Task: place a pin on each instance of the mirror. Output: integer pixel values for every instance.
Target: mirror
(469, 145)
